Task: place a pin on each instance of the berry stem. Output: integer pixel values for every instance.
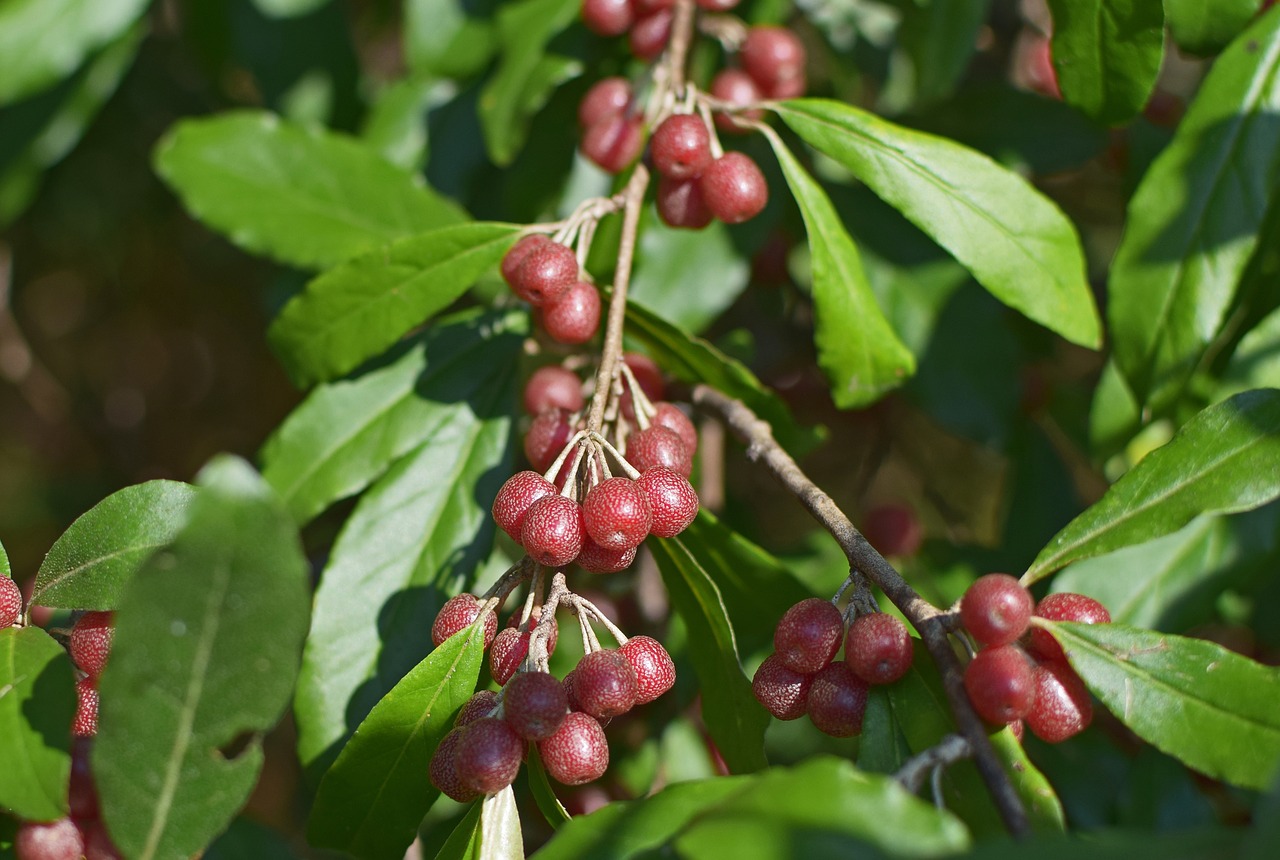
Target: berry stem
(514, 575)
(537, 656)
(594, 612)
(951, 749)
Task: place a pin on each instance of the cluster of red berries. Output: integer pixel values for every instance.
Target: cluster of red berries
(1020, 672)
(802, 676)
(546, 275)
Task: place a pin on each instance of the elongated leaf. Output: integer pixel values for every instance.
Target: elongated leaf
(940, 37)
(37, 703)
(500, 837)
(1193, 222)
(373, 798)
(287, 8)
(357, 310)
(1205, 28)
(449, 38)
(304, 197)
(1107, 54)
(347, 433)
(414, 540)
(206, 649)
(1256, 360)
(1221, 461)
(543, 794)
(90, 565)
(5, 569)
(734, 718)
(1195, 700)
(42, 41)
(461, 844)
(857, 349)
(1015, 241)
(688, 277)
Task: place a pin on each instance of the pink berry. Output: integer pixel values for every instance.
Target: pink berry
(535, 705)
(1066, 606)
(648, 7)
(479, 705)
(488, 755)
(878, 648)
(607, 17)
(577, 752)
(458, 613)
(669, 415)
(553, 532)
(547, 436)
(681, 205)
(514, 257)
(610, 95)
(616, 514)
(574, 318)
(515, 498)
(658, 446)
(681, 146)
(546, 273)
(996, 609)
(734, 188)
(604, 684)
(613, 142)
(837, 701)
(82, 793)
(1000, 683)
(85, 724)
(1062, 706)
(737, 88)
(509, 649)
(91, 641)
(718, 5)
(444, 770)
(655, 671)
(775, 60)
(10, 602)
(647, 374)
(649, 34)
(57, 840)
(673, 502)
(784, 693)
(808, 636)
(894, 530)
(596, 559)
(552, 387)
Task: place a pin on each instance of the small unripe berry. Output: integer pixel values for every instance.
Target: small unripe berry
(547, 436)
(10, 602)
(878, 648)
(837, 701)
(655, 671)
(458, 613)
(1000, 683)
(737, 88)
(607, 17)
(577, 752)
(552, 387)
(575, 317)
(894, 530)
(509, 649)
(783, 692)
(775, 60)
(85, 724)
(673, 503)
(996, 609)
(91, 641)
(734, 188)
(597, 559)
(658, 446)
(604, 684)
(606, 96)
(670, 416)
(57, 840)
(546, 273)
(1062, 708)
(1065, 606)
(808, 636)
(614, 141)
(488, 755)
(444, 770)
(553, 531)
(681, 205)
(514, 257)
(535, 704)
(681, 146)
(479, 705)
(515, 498)
(616, 514)
(649, 35)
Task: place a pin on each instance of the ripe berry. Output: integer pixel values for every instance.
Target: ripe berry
(607, 17)
(613, 142)
(596, 559)
(509, 650)
(616, 514)
(658, 446)
(604, 684)
(996, 609)
(91, 641)
(648, 7)
(649, 34)
(669, 415)
(577, 752)
(488, 755)
(878, 648)
(610, 95)
(681, 204)
(837, 701)
(734, 188)
(1001, 684)
(444, 770)
(85, 724)
(534, 617)
(775, 60)
(546, 273)
(574, 318)
(514, 257)
(513, 501)
(552, 387)
(717, 5)
(655, 671)
(458, 613)
(1066, 606)
(681, 146)
(647, 374)
(546, 438)
(553, 532)
(57, 840)
(1062, 708)
(535, 705)
(808, 636)
(673, 503)
(10, 602)
(894, 530)
(82, 794)
(98, 844)
(737, 88)
(479, 705)
(783, 692)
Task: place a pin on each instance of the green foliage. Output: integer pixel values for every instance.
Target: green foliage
(36, 707)
(1203, 29)
(1107, 54)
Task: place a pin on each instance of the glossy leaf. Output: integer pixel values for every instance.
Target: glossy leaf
(371, 801)
(1256, 360)
(1203, 28)
(347, 433)
(1100, 844)
(37, 704)
(859, 352)
(462, 842)
(1015, 241)
(207, 644)
(735, 720)
(449, 38)
(355, 311)
(543, 794)
(304, 197)
(689, 277)
(1193, 222)
(42, 41)
(1221, 461)
(1107, 54)
(287, 8)
(92, 563)
(500, 836)
(1195, 700)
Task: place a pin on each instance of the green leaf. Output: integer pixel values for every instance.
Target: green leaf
(462, 842)
(371, 801)
(1206, 706)
(5, 569)
(37, 704)
(92, 563)
(347, 433)
(1193, 222)
(500, 836)
(688, 276)
(543, 794)
(303, 196)
(1256, 360)
(1205, 28)
(1221, 461)
(881, 746)
(1182, 844)
(939, 36)
(1107, 54)
(287, 8)
(859, 352)
(396, 125)
(207, 644)
(1015, 241)
(526, 75)
(449, 38)
(355, 311)
(42, 41)
(246, 839)
(732, 715)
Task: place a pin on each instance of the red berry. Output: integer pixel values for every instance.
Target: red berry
(91, 641)
(1062, 708)
(547, 436)
(85, 724)
(57, 840)
(574, 318)
(607, 17)
(647, 374)
(669, 415)
(514, 257)
(444, 770)
(535, 705)
(775, 60)
(458, 613)
(553, 531)
(596, 559)
(673, 502)
(616, 514)
(546, 273)
(509, 650)
(658, 446)
(610, 95)
(717, 5)
(552, 387)
(519, 492)
(808, 636)
(488, 755)
(1066, 606)
(893, 530)
(10, 602)
(784, 693)
(604, 684)
(649, 34)
(614, 141)
(734, 188)
(1001, 684)
(98, 844)
(655, 671)
(996, 609)
(577, 752)
(737, 88)
(82, 794)
(479, 705)
(681, 146)
(878, 648)
(837, 701)
(681, 205)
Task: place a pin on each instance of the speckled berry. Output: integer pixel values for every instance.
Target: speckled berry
(681, 205)
(546, 273)
(1062, 706)
(673, 418)
(1000, 683)
(673, 503)
(655, 671)
(515, 498)
(878, 648)
(574, 318)
(515, 256)
(775, 59)
(837, 701)
(553, 533)
(597, 559)
(509, 649)
(56, 840)
(91, 641)
(444, 770)
(614, 141)
(10, 602)
(552, 387)
(616, 514)
(649, 35)
(488, 755)
(808, 636)
(658, 446)
(783, 693)
(604, 684)
(608, 17)
(736, 87)
(85, 724)
(535, 704)
(577, 752)
(479, 705)
(547, 436)
(1066, 606)
(996, 609)
(734, 188)
(681, 146)
(606, 96)
(458, 613)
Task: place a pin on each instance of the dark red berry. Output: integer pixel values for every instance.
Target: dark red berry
(681, 205)
(607, 17)
(681, 146)
(596, 559)
(775, 60)
(673, 503)
(534, 617)
(718, 5)
(444, 770)
(648, 7)
(996, 609)
(519, 492)
(1001, 684)
(655, 671)
(91, 641)
(574, 318)
(552, 387)
(85, 724)
(734, 188)
(82, 794)
(737, 88)
(535, 705)
(837, 701)
(784, 693)
(479, 705)
(658, 446)
(508, 652)
(577, 752)
(1062, 706)
(808, 636)
(607, 96)
(547, 436)
(514, 257)
(57, 840)
(1066, 606)
(98, 844)
(649, 34)
(546, 273)
(614, 141)
(894, 530)
(10, 602)
(604, 684)
(647, 374)
(878, 648)
(553, 532)
(616, 514)
(458, 613)
(669, 415)
(488, 755)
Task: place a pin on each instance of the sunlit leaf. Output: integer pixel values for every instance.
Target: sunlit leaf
(1107, 54)
(37, 703)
